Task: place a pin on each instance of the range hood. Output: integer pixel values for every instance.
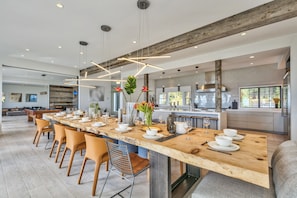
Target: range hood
(210, 86)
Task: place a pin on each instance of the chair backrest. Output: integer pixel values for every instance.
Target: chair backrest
(40, 123)
(95, 146)
(119, 157)
(74, 137)
(59, 131)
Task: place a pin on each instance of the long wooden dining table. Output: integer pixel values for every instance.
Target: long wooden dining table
(249, 163)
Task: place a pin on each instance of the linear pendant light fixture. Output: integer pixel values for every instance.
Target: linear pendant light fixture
(105, 28)
(142, 5)
(95, 79)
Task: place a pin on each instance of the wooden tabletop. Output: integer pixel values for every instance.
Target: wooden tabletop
(249, 163)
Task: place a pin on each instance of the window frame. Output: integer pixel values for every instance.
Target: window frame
(259, 96)
(183, 90)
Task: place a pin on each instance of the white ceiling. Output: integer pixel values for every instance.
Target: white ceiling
(41, 27)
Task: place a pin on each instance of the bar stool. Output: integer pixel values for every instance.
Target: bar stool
(75, 141)
(96, 150)
(43, 126)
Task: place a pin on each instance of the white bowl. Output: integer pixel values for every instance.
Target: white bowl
(223, 140)
(123, 126)
(85, 119)
(151, 132)
(98, 124)
(230, 132)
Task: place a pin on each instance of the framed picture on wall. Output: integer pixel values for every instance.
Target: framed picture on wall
(15, 97)
(97, 94)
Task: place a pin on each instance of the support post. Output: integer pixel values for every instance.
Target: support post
(218, 85)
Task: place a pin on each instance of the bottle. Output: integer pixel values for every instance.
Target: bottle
(170, 124)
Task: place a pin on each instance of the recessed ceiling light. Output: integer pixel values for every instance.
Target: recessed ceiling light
(195, 47)
(134, 42)
(59, 46)
(251, 63)
(75, 66)
(27, 49)
(243, 34)
(81, 53)
(59, 5)
(252, 56)
(22, 55)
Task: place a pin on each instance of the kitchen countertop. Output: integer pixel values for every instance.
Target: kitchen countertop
(257, 110)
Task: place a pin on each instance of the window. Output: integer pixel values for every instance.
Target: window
(162, 99)
(259, 97)
(171, 96)
(31, 97)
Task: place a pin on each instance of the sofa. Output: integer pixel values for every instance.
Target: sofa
(283, 179)
(13, 111)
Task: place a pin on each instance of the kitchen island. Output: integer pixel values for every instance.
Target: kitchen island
(218, 119)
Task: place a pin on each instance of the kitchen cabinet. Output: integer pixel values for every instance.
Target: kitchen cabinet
(261, 120)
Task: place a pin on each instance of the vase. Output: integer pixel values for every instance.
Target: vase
(148, 118)
(130, 113)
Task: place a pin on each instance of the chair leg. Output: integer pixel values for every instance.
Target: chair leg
(104, 183)
(37, 139)
(52, 149)
(96, 173)
(64, 152)
(107, 165)
(58, 151)
(70, 162)
(82, 170)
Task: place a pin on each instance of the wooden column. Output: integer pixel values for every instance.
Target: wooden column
(146, 83)
(218, 85)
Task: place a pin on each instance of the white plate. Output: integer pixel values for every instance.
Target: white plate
(84, 120)
(152, 137)
(120, 130)
(74, 118)
(236, 137)
(102, 124)
(216, 146)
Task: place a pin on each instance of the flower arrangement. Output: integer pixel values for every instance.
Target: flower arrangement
(130, 87)
(147, 108)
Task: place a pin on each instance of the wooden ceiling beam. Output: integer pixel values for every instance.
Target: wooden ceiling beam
(265, 14)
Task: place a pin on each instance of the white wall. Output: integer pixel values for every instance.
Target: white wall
(85, 100)
(42, 100)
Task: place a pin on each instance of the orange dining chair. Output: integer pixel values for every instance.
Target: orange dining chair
(60, 138)
(126, 165)
(75, 141)
(42, 126)
(95, 150)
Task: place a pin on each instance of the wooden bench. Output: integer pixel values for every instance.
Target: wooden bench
(283, 179)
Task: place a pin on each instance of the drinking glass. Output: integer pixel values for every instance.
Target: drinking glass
(206, 123)
(188, 127)
(160, 119)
